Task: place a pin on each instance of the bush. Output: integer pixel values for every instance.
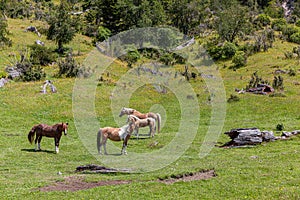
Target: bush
(295, 38)
(233, 98)
(297, 23)
(102, 34)
(41, 55)
(33, 74)
(228, 50)
(288, 31)
(239, 60)
(262, 20)
(292, 72)
(279, 24)
(68, 67)
(279, 127)
(131, 57)
(167, 59)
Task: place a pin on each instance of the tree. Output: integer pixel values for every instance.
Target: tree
(4, 40)
(232, 21)
(62, 27)
(186, 15)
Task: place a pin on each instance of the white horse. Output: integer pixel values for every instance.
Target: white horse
(114, 134)
(142, 123)
(130, 111)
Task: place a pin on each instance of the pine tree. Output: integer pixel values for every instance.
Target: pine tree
(62, 27)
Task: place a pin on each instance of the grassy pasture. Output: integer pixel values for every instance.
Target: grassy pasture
(267, 171)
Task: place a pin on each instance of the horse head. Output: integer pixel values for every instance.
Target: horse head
(122, 112)
(126, 111)
(65, 127)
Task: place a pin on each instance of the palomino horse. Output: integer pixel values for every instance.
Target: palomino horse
(130, 111)
(142, 123)
(114, 134)
(41, 130)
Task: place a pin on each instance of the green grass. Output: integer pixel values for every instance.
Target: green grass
(272, 174)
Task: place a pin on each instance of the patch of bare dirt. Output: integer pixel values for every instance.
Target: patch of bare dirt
(75, 183)
(203, 175)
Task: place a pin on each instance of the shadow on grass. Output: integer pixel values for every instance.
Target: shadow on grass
(33, 150)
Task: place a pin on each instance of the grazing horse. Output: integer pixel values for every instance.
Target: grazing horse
(142, 123)
(41, 130)
(130, 111)
(114, 134)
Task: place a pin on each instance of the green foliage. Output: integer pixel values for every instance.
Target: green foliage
(68, 67)
(239, 60)
(233, 98)
(225, 51)
(278, 24)
(232, 22)
(131, 57)
(3, 75)
(288, 31)
(228, 50)
(274, 11)
(278, 83)
(279, 127)
(61, 26)
(295, 38)
(292, 72)
(41, 55)
(4, 40)
(262, 20)
(102, 34)
(32, 73)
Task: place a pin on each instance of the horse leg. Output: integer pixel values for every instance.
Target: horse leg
(104, 139)
(137, 132)
(39, 143)
(125, 145)
(56, 141)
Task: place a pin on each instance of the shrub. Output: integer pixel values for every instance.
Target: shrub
(279, 127)
(292, 72)
(167, 59)
(228, 50)
(279, 24)
(3, 75)
(278, 83)
(131, 57)
(288, 31)
(68, 67)
(239, 60)
(41, 55)
(33, 74)
(262, 20)
(233, 98)
(295, 38)
(102, 33)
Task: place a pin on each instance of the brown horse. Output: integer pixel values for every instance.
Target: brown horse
(142, 123)
(130, 111)
(114, 134)
(41, 130)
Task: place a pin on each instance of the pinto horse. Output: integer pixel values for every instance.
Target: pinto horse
(41, 130)
(130, 111)
(114, 134)
(142, 123)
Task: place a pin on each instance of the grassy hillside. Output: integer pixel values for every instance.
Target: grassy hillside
(267, 171)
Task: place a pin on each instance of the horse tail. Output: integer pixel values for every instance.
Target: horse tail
(31, 134)
(158, 122)
(99, 139)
